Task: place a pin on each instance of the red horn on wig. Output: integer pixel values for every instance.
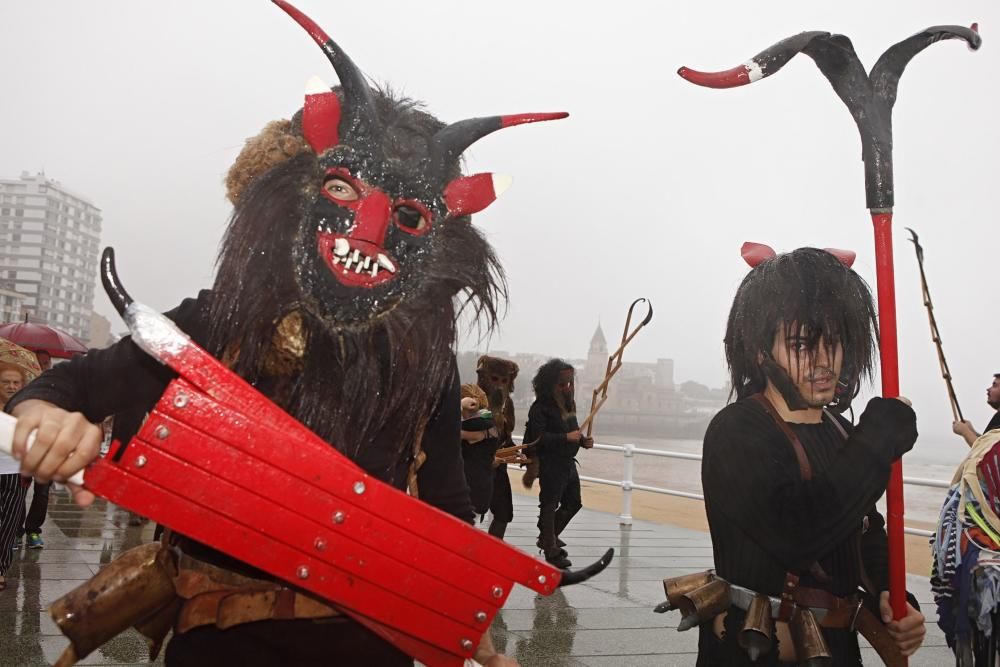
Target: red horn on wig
(756, 253)
(762, 65)
(450, 142)
(846, 257)
(471, 194)
(359, 104)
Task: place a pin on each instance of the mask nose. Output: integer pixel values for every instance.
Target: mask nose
(372, 218)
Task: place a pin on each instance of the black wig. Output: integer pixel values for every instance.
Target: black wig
(814, 292)
(545, 379)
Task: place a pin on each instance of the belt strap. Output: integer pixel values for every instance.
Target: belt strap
(215, 596)
(805, 469)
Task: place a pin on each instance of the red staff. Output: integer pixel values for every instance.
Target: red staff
(869, 97)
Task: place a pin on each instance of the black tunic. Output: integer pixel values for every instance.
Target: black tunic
(123, 381)
(766, 521)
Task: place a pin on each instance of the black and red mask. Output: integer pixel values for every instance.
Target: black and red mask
(373, 219)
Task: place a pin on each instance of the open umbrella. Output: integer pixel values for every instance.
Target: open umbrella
(41, 337)
(12, 353)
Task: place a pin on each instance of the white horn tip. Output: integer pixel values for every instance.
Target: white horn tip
(500, 183)
(316, 86)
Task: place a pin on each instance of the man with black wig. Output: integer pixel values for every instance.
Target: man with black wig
(790, 485)
(553, 424)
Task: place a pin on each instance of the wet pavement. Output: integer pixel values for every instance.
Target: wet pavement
(606, 621)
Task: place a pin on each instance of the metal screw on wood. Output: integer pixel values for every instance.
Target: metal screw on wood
(480, 616)
(140, 461)
(497, 592)
(181, 400)
(467, 645)
(320, 544)
(302, 572)
(359, 487)
(338, 517)
(162, 432)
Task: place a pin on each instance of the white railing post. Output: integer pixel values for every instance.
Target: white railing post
(625, 518)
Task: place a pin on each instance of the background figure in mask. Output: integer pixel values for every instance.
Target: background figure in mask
(552, 422)
(496, 377)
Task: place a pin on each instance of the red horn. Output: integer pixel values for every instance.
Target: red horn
(321, 116)
(471, 194)
(846, 257)
(756, 253)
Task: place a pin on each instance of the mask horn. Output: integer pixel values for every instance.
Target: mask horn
(471, 194)
(450, 142)
(846, 257)
(359, 104)
(756, 253)
(320, 116)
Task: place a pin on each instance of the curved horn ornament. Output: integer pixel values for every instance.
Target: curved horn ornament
(359, 105)
(451, 141)
(120, 299)
(571, 577)
(762, 65)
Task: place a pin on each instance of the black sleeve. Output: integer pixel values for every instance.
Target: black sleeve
(750, 476)
(875, 552)
(441, 479)
(104, 382)
(538, 422)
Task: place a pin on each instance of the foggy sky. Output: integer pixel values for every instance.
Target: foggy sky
(648, 189)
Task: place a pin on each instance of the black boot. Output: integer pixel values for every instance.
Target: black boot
(554, 555)
(498, 528)
(563, 517)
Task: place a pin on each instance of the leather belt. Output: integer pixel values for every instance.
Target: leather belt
(215, 596)
(830, 611)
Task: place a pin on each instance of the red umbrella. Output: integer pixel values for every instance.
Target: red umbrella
(41, 337)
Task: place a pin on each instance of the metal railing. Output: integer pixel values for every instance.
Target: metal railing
(627, 483)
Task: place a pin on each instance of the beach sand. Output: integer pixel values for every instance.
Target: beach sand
(687, 513)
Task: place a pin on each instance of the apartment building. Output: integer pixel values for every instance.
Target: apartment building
(49, 249)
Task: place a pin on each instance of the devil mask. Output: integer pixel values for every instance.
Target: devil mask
(373, 213)
(811, 289)
(349, 241)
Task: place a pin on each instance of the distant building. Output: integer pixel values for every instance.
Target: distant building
(49, 240)
(10, 303)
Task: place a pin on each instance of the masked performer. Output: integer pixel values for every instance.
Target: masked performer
(348, 243)
(552, 423)
(496, 377)
(479, 446)
(790, 486)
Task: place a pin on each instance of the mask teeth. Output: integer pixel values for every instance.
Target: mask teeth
(386, 263)
(359, 261)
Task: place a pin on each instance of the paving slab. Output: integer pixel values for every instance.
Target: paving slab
(605, 622)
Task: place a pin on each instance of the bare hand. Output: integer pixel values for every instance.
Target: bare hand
(586, 442)
(908, 632)
(963, 428)
(500, 660)
(573, 437)
(65, 443)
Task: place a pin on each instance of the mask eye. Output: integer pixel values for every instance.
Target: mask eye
(411, 218)
(340, 189)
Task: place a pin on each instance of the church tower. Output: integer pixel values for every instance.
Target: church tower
(597, 359)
